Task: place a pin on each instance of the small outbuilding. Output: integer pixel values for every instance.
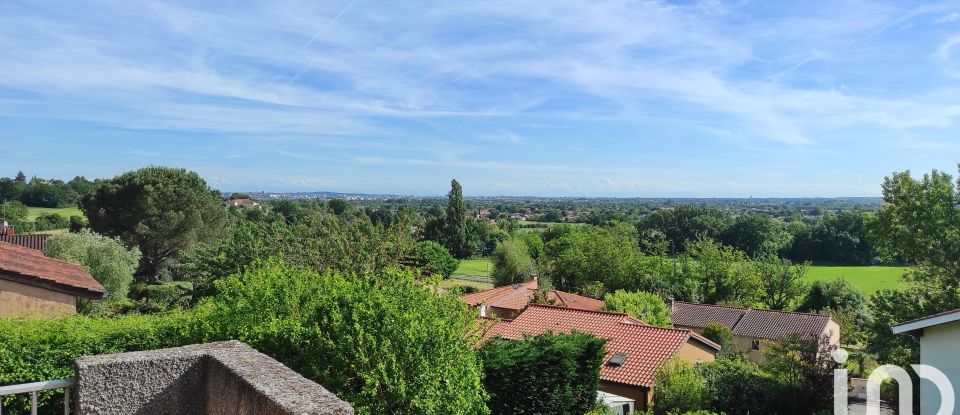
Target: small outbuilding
(31, 283)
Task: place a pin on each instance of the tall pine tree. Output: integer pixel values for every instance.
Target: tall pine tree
(455, 234)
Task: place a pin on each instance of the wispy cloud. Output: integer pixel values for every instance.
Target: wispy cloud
(491, 86)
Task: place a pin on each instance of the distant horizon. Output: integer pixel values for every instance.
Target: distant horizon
(684, 98)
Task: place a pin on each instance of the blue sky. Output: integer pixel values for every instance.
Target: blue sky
(612, 98)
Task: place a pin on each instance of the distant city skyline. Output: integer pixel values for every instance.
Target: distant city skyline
(559, 98)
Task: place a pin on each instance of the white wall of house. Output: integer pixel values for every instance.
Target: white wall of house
(938, 348)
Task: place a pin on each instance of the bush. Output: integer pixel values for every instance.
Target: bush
(647, 307)
(546, 374)
(435, 259)
(166, 296)
(386, 343)
(34, 349)
(77, 223)
(719, 334)
(50, 221)
(736, 386)
(106, 259)
(680, 388)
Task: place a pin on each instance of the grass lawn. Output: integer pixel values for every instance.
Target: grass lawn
(867, 279)
(479, 267)
(34, 212)
(454, 281)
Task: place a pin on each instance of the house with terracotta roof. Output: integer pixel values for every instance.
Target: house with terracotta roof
(634, 349)
(509, 301)
(31, 283)
(752, 327)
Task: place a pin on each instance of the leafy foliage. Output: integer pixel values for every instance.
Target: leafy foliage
(781, 282)
(106, 259)
(435, 259)
(512, 263)
(650, 308)
(161, 210)
(680, 388)
(455, 229)
(545, 374)
(384, 342)
(719, 334)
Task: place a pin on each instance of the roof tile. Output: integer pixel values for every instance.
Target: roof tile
(31, 265)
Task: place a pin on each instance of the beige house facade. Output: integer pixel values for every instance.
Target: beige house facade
(33, 284)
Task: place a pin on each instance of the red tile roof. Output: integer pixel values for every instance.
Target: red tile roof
(33, 241)
(30, 266)
(646, 347)
(518, 296)
(750, 322)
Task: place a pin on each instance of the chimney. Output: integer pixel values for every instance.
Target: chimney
(671, 303)
(5, 228)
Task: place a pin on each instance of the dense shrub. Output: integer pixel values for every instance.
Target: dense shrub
(33, 349)
(680, 388)
(50, 221)
(719, 334)
(546, 374)
(647, 307)
(165, 296)
(386, 343)
(736, 387)
(435, 259)
(106, 259)
(512, 263)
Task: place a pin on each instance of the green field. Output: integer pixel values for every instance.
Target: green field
(479, 267)
(465, 281)
(867, 279)
(34, 212)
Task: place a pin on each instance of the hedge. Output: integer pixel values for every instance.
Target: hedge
(546, 374)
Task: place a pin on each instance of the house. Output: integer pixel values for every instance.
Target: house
(939, 335)
(751, 327)
(35, 241)
(243, 203)
(634, 349)
(509, 301)
(31, 283)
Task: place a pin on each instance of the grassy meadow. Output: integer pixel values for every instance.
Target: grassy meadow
(34, 212)
(477, 267)
(868, 279)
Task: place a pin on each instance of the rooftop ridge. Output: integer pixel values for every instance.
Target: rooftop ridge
(755, 309)
(616, 313)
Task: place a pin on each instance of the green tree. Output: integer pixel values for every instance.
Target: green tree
(781, 282)
(48, 193)
(545, 374)
(918, 223)
(719, 334)
(756, 235)
(10, 189)
(386, 343)
(686, 224)
(650, 308)
(22, 178)
(455, 229)
(512, 263)
(106, 259)
(802, 369)
(163, 211)
(338, 206)
(435, 259)
(680, 388)
(722, 273)
(15, 214)
(833, 294)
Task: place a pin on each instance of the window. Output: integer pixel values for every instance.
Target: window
(755, 345)
(617, 360)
